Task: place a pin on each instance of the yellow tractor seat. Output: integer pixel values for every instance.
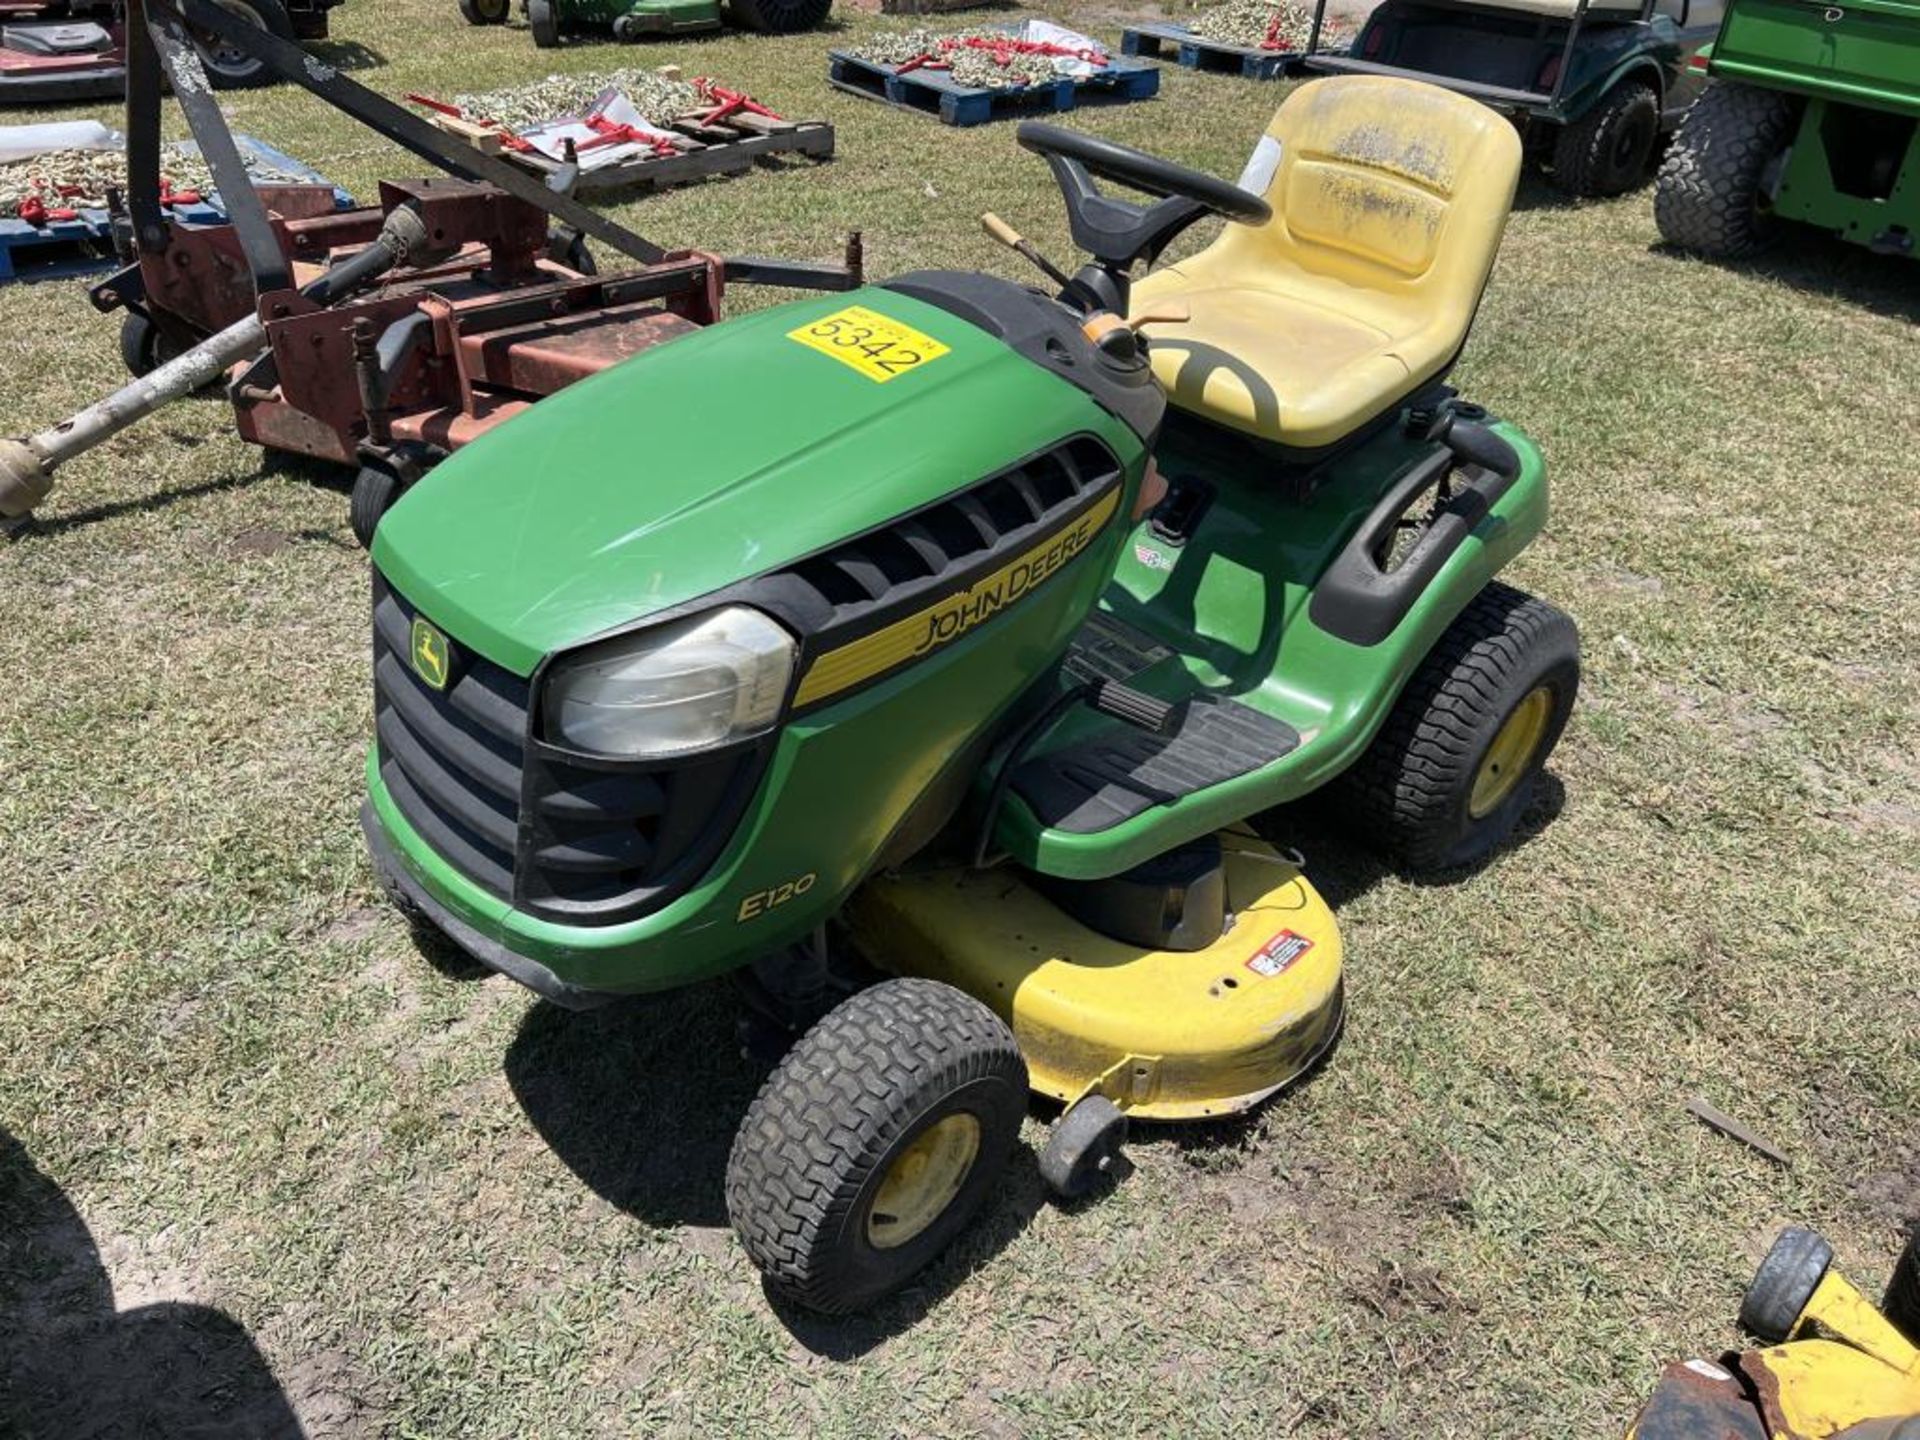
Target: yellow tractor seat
(1389, 199)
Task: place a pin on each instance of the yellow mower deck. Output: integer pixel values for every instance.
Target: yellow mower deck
(1165, 1035)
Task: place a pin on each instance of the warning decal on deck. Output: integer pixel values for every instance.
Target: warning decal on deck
(867, 341)
(1277, 954)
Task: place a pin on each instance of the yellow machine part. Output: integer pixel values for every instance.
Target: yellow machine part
(1823, 1387)
(1166, 1035)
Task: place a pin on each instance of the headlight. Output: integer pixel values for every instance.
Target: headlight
(688, 685)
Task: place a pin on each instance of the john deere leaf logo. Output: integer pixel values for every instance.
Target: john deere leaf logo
(429, 654)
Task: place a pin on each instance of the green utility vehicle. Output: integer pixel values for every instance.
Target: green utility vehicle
(1811, 116)
(959, 645)
(550, 20)
(1593, 85)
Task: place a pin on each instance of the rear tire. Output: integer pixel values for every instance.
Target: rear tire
(1434, 789)
(229, 69)
(485, 12)
(874, 1142)
(1608, 149)
(544, 24)
(779, 17)
(1711, 196)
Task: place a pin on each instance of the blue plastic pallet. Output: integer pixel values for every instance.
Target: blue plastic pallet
(933, 92)
(1199, 53)
(76, 247)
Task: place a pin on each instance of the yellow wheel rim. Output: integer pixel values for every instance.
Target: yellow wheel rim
(1512, 751)
(922, 1180)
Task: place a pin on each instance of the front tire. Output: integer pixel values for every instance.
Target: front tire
(485, 12)
(1450, 773)
(874, 1142)
(544, 23)
(780, 17)
(1712, 193)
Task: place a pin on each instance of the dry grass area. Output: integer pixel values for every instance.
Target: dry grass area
(266, 1172)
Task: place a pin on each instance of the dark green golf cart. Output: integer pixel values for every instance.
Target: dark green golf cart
(1811, 116)
(1593, 85)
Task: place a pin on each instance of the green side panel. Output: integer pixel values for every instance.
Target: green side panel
(654, 15)
(1232, 607)
(719, 456)
(1866, 52)
(1829, 135)
(841, 781)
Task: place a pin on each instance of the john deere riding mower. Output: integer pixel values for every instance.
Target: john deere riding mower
(960, 656)
(550, 20)
(1813, 115)
(1833, 1366)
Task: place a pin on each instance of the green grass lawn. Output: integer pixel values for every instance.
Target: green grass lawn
(259, 1161)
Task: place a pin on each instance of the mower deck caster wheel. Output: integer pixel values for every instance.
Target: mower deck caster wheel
(1785, 1282)
(1083, 1147)
(485, 12)
(374, 491)
(874, 1142)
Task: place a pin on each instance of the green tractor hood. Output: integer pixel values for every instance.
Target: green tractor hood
(715, 458)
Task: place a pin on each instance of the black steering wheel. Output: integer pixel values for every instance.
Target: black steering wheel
(1117, 232)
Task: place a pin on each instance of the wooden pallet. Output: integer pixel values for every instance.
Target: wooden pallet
(1167, 41)
(934, 93)
(61, 248)
(728, 148)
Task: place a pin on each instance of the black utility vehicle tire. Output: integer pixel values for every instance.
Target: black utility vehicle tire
(245, 74)
(1902, 1303)
(1608, 149)
(1709, 196)
(485, 12)
(872, 1078)
(1411, 793)
(544, 24)
(374, 491)
(779, 17)
(1784, 1283)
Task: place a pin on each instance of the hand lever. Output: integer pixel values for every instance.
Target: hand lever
(1014, 241)
(1168, 312)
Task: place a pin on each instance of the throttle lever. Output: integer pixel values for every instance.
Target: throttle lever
(1001, 231)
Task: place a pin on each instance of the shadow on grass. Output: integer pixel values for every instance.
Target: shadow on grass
(1817, 263)
(71, 1364)
(640, 1099)
(347, 54)
(1343, 870)
(145, 504)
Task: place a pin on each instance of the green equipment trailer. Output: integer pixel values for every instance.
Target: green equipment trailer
(1811, 117)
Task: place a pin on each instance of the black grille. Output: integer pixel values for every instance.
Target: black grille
(863, 584)
(576, 839)
(452, 758)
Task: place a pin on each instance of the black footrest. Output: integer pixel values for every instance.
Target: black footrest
(1122, 772)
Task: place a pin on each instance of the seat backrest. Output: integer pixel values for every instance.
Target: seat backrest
(1388, 186)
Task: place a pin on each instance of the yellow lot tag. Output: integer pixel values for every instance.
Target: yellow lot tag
(869, 342)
